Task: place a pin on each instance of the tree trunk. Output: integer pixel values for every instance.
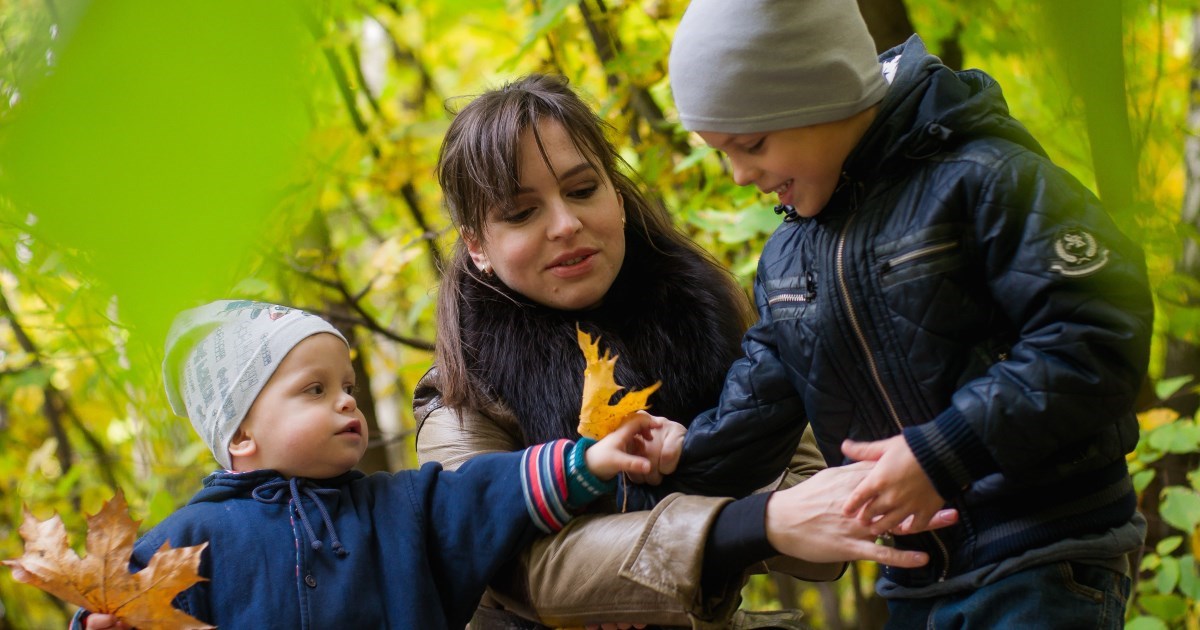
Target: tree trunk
(888, 22)
(1182, 355)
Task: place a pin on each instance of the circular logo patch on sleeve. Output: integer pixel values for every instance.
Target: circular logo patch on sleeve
(1077, 254)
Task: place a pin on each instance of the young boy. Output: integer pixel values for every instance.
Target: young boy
(940, 298)
(296, 538)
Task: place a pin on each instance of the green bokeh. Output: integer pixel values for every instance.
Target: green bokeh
(161, 142)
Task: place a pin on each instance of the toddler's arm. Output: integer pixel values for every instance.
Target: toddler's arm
(895, 489)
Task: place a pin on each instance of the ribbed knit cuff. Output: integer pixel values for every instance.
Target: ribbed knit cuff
(544, 483)
(949, 452)
(737, 539)
(583, 487)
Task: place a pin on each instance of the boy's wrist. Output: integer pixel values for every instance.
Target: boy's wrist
(949, 452)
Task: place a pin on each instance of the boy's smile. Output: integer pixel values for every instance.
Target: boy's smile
(802, 164)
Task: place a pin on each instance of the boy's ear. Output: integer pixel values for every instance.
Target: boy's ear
(475, 248)
(242, 444)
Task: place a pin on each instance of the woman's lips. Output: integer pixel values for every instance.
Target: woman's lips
(574, 265)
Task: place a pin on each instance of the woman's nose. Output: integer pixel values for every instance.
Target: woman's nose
(564, 222)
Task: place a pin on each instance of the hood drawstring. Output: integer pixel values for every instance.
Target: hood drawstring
(279, 491)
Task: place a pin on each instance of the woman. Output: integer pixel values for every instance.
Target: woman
(554, 235)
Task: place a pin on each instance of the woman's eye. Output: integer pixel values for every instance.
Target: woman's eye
(583, 192)
(518, 216)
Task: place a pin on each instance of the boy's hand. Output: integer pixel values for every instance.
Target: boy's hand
(662, 448)
(96, 621)
(806, 521)
(615, 452)
(896, 491)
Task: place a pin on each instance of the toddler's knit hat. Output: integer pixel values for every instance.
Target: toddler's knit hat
(748, 66)
(219, 356)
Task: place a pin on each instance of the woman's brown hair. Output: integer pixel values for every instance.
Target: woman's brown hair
(477, 171)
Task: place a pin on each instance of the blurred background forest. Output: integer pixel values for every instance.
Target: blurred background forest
(158, 154)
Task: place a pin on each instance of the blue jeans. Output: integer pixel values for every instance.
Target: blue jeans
(1056, 595)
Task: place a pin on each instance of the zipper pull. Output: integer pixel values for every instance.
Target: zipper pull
(789, 212)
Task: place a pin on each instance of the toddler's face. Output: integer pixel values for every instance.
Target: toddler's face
(802, 164)
(305, 422)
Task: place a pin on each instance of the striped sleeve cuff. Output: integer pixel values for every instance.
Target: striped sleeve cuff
(544, 483)
(583, 487)
(950, 453)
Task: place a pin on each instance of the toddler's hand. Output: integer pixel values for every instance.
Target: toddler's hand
(97, 621)
(896, 491)
(662, 448)
(616, 452)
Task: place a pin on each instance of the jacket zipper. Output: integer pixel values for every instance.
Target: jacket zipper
(919, 253)
(788, 297)
(873, 367)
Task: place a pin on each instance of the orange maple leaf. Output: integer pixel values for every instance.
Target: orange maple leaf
(597, 418)
(101, 582)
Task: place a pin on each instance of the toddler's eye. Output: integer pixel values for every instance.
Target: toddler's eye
(316, 389)
(350, 388)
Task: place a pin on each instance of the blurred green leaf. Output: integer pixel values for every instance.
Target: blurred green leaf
(1181, 508)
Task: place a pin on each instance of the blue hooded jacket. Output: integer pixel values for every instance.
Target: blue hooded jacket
(413, 549)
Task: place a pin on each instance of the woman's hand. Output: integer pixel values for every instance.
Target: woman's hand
(807, 521)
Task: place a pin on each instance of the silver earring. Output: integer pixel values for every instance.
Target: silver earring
(486, 269)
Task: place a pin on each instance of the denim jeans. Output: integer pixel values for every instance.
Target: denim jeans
(1057, 595)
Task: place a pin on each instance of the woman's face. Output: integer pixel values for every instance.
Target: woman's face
(562, 242)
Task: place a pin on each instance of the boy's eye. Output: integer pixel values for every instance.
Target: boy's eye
(757, 146)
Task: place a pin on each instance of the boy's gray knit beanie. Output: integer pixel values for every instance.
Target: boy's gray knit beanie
(748, 66)
(220, 355)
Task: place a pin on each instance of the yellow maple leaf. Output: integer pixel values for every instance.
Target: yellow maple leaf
(100, 581)
(597, 418)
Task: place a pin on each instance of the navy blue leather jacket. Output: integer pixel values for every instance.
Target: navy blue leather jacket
(961, 289)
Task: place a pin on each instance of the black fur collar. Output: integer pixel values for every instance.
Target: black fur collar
(665, 316)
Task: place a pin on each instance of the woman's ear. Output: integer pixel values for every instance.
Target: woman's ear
(242, 444)
(475, 249)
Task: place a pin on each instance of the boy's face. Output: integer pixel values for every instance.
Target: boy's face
(305, 422)
(802, 164)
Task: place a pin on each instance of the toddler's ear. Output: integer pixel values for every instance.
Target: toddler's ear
(242, 444)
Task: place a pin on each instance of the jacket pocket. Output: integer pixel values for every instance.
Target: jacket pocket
(930, 251)
(791, 297)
